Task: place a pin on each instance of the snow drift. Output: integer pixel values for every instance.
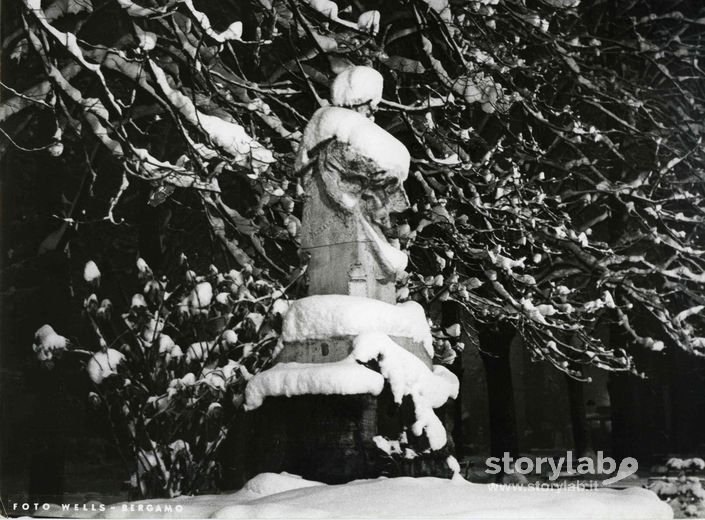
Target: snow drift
(271, 495)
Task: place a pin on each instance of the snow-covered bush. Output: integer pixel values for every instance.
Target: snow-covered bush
(48, 345)
(170, 368)
(684, 492)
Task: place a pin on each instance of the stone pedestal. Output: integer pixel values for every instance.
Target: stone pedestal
(320, 437)
(329, 438)
(336, 349)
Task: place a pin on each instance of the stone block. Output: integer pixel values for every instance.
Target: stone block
(336, 349)
(320, 437)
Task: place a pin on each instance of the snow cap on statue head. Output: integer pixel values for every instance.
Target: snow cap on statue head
(357, 86)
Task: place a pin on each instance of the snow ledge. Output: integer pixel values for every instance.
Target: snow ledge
(333, 315)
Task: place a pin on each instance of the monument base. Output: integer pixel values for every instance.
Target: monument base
(329, 438)
(320, 437)
(338, 348)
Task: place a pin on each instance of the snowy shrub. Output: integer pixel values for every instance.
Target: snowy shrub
(684, 492)
(48, 344)
(171, 369)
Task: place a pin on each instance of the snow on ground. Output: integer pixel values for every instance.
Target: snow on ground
(272, 495)
(333, 315)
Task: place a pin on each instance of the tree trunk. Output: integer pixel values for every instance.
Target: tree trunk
(494, 350)
(582, 441)
(451, 314)
(458, 434)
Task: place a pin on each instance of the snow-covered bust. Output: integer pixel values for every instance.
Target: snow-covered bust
(353, 174)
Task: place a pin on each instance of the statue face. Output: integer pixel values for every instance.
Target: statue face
(355, 183)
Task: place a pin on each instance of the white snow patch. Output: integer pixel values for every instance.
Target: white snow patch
(233, 32)
(143, 267)
(227, 135)
(103, 364)
(47, 337)
(363, 136)
(392, 258)
(178, 176)
(200, 297)
(285, 496)
(390, 447)
(358, 85)
(229, 337)
(453, 465)
(136, 10)
(333, 315)
(223, 298)
(91, 273)
(408, 375)
(147, 39)
(369, 22)
(683, 315)
(272, 483)
(280, 306)
(345, 377)
(165, 344)
(137, 301)
(47, 343)
(454, 330)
